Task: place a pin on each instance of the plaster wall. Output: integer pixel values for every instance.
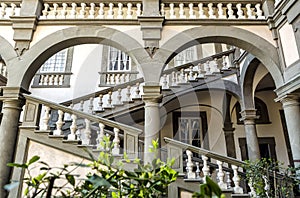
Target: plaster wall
(7, 33)
(288, 43)
(259, 74)
(43, 31)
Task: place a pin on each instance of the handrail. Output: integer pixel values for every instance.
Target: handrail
(88, 116)
(103, 91)
(141, 80)
(205, 152)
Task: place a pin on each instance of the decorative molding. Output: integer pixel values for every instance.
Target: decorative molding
(152, 93)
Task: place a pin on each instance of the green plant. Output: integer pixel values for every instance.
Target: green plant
(209, 189)
(270, 178)
(107, 178)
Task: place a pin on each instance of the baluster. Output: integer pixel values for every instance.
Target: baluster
(42, 78)
(224, 63)
(198, 170)
(207, 68)
(3, 10)
(110, 14)
(249, 11)
(120, 11)
(191, 12)
(59, 124)
(190, 164)
(240, 11)
(67, 116)
(214, 68)
(116, 142)
(221, 11)
(181, 11)
(109, 100)
(259, 12)
(201, 11)
(100, 103)
(137, 91)
(119, 98)
(200, 74)
(55, 12)
(165, 82)
(63, 12)
(236, 180)
(92, 11)
(162, 9)
(45, 125)
(91, 105)
(182, 76)
(73, 127)
(205, 168)
(13, 9)
(129, 11)
(112, 79)
(61, 79)
(228, 180)
(174, 82)
(87, 132)
(191, 75)
(230, 11)
(221, 175)
(82, 11)
(73, 11)
(128, 93)
(81, 105)
(138, 10)
(252, 190)
(211, 14)
(55, 79)
(100, 136)
(108, 79)
(46, 79)
(172, 11)
(44, 12)
(101, 11)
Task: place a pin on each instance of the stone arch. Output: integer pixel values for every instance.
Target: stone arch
(265, 52)
(7, 51)
(45, 48)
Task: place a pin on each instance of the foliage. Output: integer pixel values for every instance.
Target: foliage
(107, 178)
(270, 178)
(209, 189)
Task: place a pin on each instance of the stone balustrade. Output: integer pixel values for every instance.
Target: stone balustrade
(116, 78)
(226, 170)
(204, 10)
(91, 11)
(9, 9)
(51, 79)
(76, 126)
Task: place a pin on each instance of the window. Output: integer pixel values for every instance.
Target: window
(191, 128)
(56, 63)
(186, 56)
(118, 60)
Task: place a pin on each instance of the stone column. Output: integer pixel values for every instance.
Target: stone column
(152, 97)
(12, 106)
(248, 117)
(290, 104)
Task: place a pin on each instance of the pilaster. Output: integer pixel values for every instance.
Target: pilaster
(248, 117)
(152, 97)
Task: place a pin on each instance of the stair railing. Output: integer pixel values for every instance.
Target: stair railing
(128, 92)
(175, 149)
(37, 116)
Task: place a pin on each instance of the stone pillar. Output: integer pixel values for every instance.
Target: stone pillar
(151, 97)
(290, 104)
(12, 106)
(248, 117)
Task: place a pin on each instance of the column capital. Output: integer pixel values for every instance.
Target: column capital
(152, 93)
(249, 116)
(289, 100)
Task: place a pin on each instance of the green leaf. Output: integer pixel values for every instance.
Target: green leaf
(213, 186)
(33, 159)
(70, 179)
(17, 165)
